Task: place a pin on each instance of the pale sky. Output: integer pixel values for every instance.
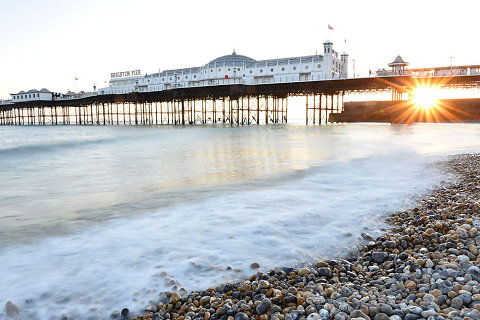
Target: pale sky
(46, 44)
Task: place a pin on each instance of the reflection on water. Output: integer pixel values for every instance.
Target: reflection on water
(54, 179)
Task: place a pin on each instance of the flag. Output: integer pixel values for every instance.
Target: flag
(330, 27)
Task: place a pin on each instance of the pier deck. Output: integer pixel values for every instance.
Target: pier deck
(236, 103)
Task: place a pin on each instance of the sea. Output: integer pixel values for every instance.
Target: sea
(94, 219)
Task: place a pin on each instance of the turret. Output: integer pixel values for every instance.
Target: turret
(328, 59)
(327, 47)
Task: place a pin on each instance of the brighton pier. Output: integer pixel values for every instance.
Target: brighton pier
(234, 89)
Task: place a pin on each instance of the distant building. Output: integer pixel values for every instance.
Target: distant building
(46, 95)
(399, 68)
(235, 68)
(32, 95)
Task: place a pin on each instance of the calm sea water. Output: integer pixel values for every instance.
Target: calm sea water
(94, 219)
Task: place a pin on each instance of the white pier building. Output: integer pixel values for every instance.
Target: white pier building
(235, 69)
(32, 95)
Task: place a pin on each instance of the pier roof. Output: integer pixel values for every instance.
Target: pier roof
(233, 59)
(35, 91)
(398, 62)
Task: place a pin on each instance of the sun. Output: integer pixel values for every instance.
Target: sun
(425, 97)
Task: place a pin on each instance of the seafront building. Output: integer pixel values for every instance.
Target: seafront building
(236, 69)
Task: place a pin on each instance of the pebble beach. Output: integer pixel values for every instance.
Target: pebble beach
(426, 266)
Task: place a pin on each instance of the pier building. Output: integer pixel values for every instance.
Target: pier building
(236, 69)
(399, 68)
(32, 95)
(237, 89)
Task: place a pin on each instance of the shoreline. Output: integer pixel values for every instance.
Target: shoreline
(424, 266)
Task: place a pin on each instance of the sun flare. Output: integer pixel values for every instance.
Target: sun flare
(425, 97)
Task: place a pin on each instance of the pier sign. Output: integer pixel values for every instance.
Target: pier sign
(124, 74)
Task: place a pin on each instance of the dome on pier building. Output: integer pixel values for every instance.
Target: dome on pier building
(233, 59)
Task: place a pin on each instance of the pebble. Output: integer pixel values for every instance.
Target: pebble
(379, 257)
(415, 310)
(264, 306)
(358, 314)
(456, 303)
(241, 316)
(314, 316)
(410, 284)
(11, 309)
(428, 313)
(385, 308)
